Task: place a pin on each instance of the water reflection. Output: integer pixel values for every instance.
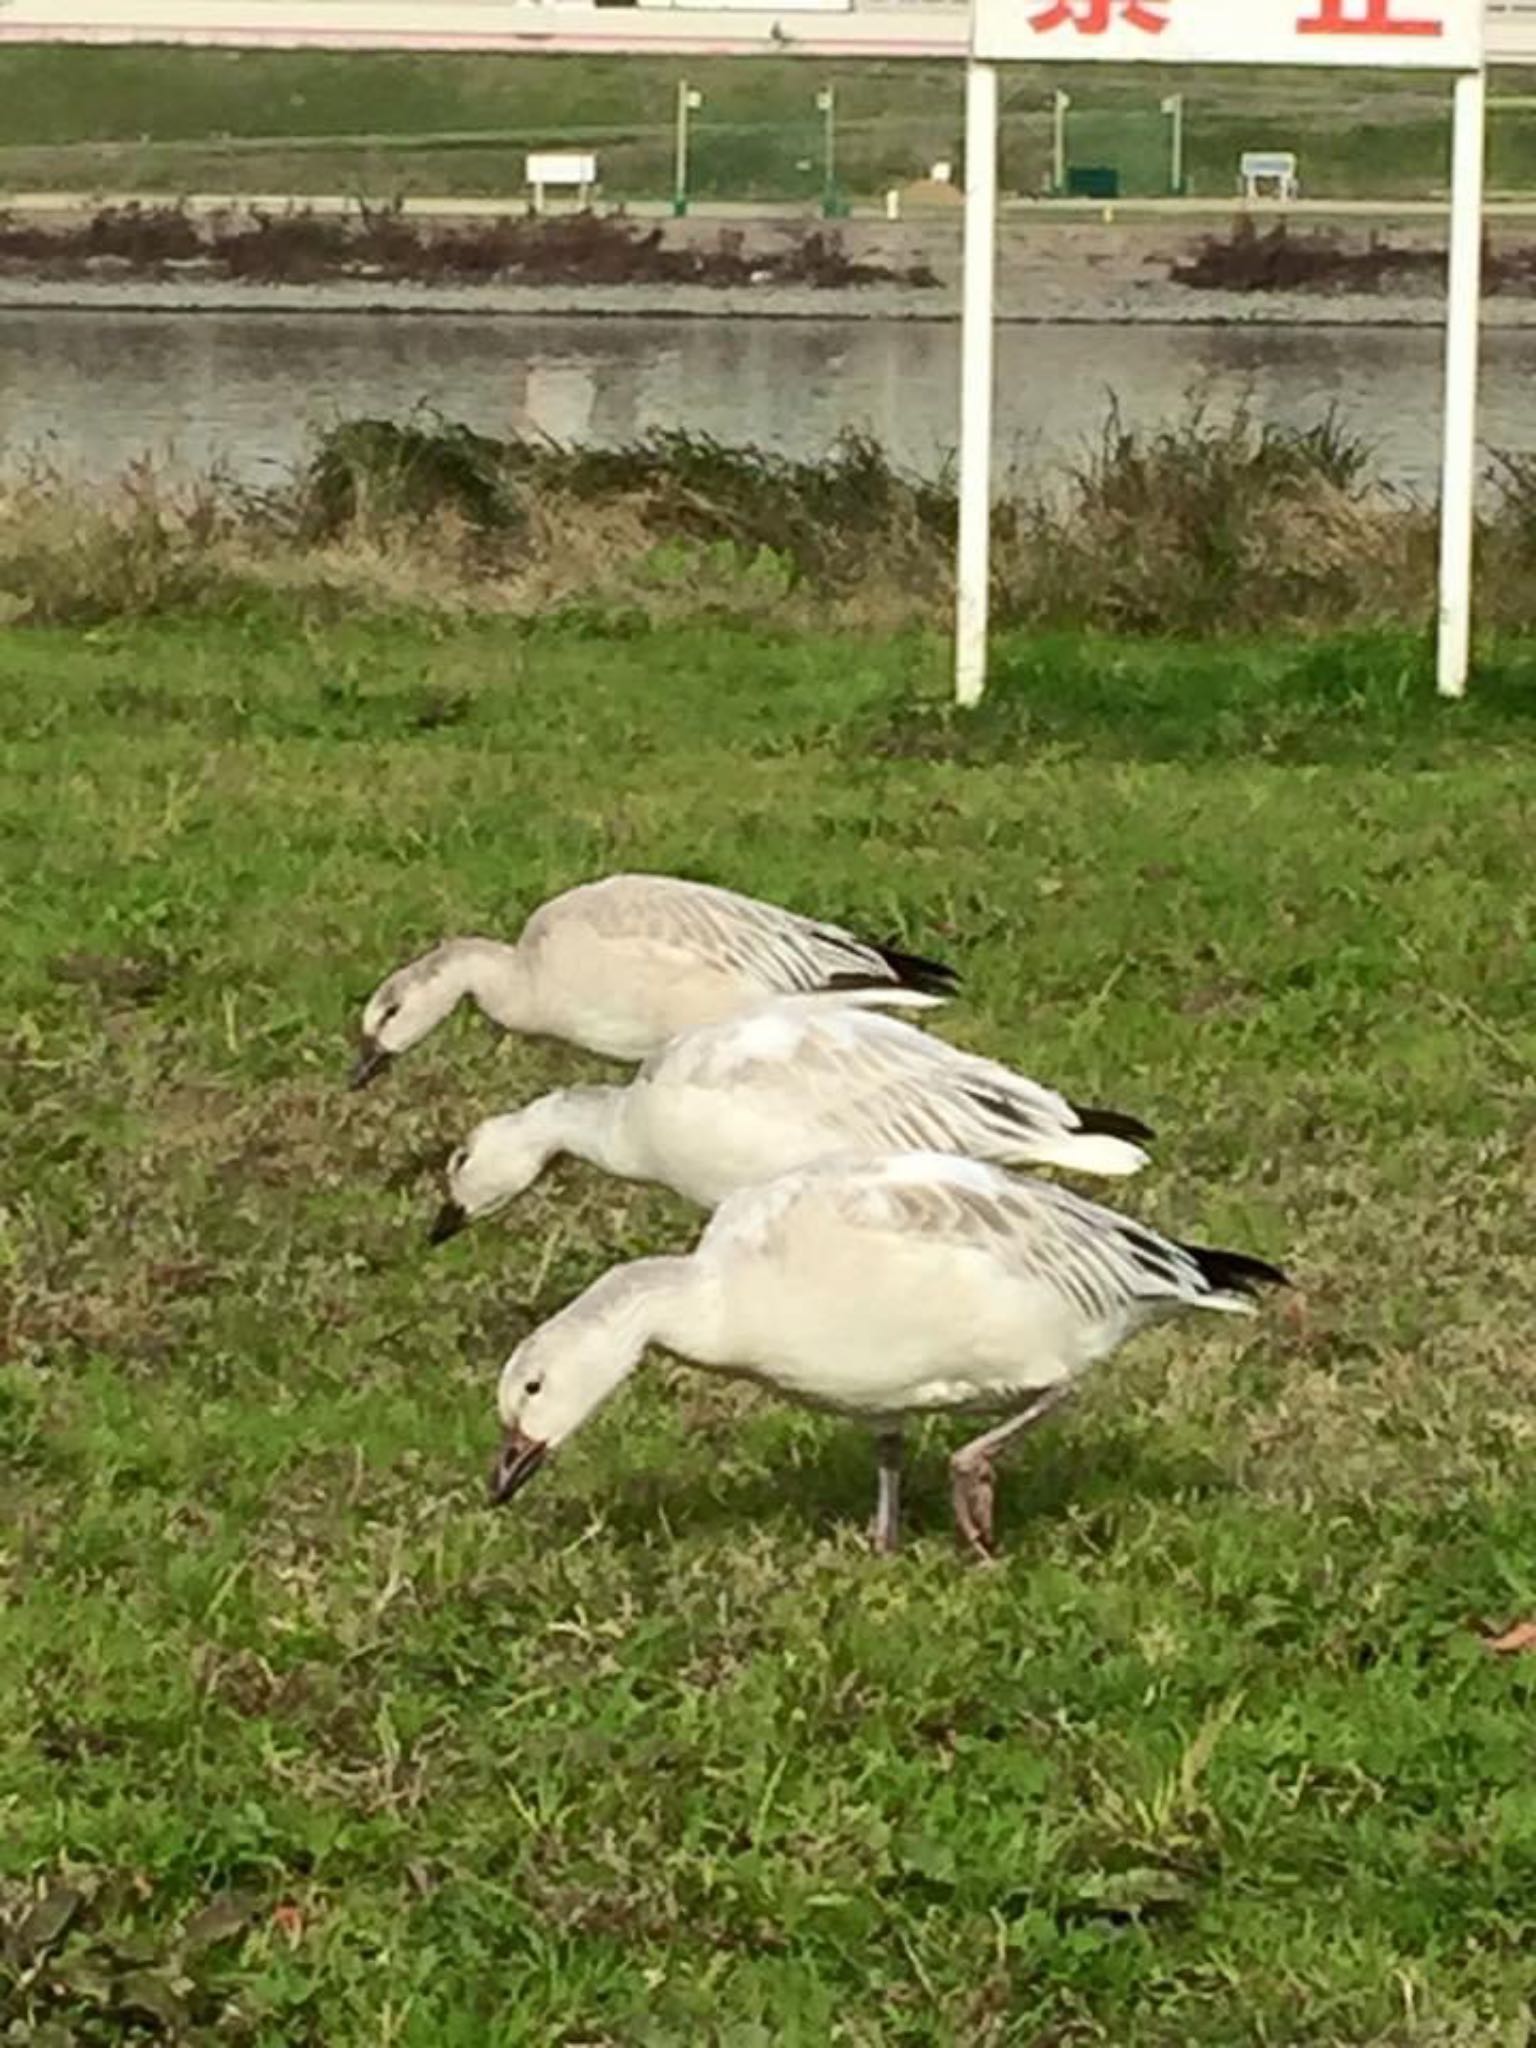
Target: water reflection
(246, 389)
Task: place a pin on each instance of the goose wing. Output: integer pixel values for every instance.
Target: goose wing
(779, 950)
(1103, 1266)
(884, 1086)
(905, 1091)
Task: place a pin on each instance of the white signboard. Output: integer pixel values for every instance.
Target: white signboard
(563, 169)
(1439, 35)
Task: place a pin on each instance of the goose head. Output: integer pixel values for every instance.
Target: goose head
(405, 1007)
(497, 1161)
(563, 1371)
(549, 1386)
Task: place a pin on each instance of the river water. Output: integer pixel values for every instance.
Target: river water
(245, 391)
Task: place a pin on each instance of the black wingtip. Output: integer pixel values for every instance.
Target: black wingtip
(1236, 1272)
(902, 969)
(1111, 1123)
(916, 971)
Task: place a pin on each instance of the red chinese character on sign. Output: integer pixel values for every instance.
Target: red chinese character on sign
(1364, 18)
(1097, 17)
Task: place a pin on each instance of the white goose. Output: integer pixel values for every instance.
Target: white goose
(900, 1286)
(622, 965)
(795, 1082)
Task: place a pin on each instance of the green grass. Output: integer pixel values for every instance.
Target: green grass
(178, 121)
(661, 1755)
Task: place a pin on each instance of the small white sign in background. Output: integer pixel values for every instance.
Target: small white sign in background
(560, 168)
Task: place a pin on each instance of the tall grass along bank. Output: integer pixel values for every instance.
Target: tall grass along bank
(1214, 523)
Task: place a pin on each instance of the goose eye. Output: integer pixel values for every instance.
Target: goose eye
(533, 1386)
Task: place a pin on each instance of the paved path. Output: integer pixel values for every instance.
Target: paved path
(66, 205)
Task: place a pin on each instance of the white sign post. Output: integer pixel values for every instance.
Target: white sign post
(974, 579)
(1433, 35)
(1458, 482)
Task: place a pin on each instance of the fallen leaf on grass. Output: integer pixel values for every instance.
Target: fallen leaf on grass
(217, 1921)
(1127, 1894)
(45, 1924)
(132, 980)
(82, 1977)
(149, 1995)
(288, 1919)
(1295, 1314)
(1522, 1636)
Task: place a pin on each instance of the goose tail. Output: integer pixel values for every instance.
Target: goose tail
(1102, 1142)
(1095, 1152)
(883, 996)
(1112, 1123)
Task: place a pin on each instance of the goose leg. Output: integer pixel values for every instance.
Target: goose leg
(886, 1532)
(971, 1475)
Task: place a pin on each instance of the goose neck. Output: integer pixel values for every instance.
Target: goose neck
(495, 978)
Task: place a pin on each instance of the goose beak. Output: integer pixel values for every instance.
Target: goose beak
(371, 1061)
(448, 1222)
(516, 1462)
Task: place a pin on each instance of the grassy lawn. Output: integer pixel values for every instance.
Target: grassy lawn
(382, 124)
(302, 1745)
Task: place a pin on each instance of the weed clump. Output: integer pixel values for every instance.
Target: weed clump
(1210, 523)
(1277, 259)
(378, 474)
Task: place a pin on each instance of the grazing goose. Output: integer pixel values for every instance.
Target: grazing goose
(785, 1086)
(620, 966)
(900, 1286)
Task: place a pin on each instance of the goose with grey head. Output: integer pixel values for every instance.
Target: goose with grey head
(621, 965)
